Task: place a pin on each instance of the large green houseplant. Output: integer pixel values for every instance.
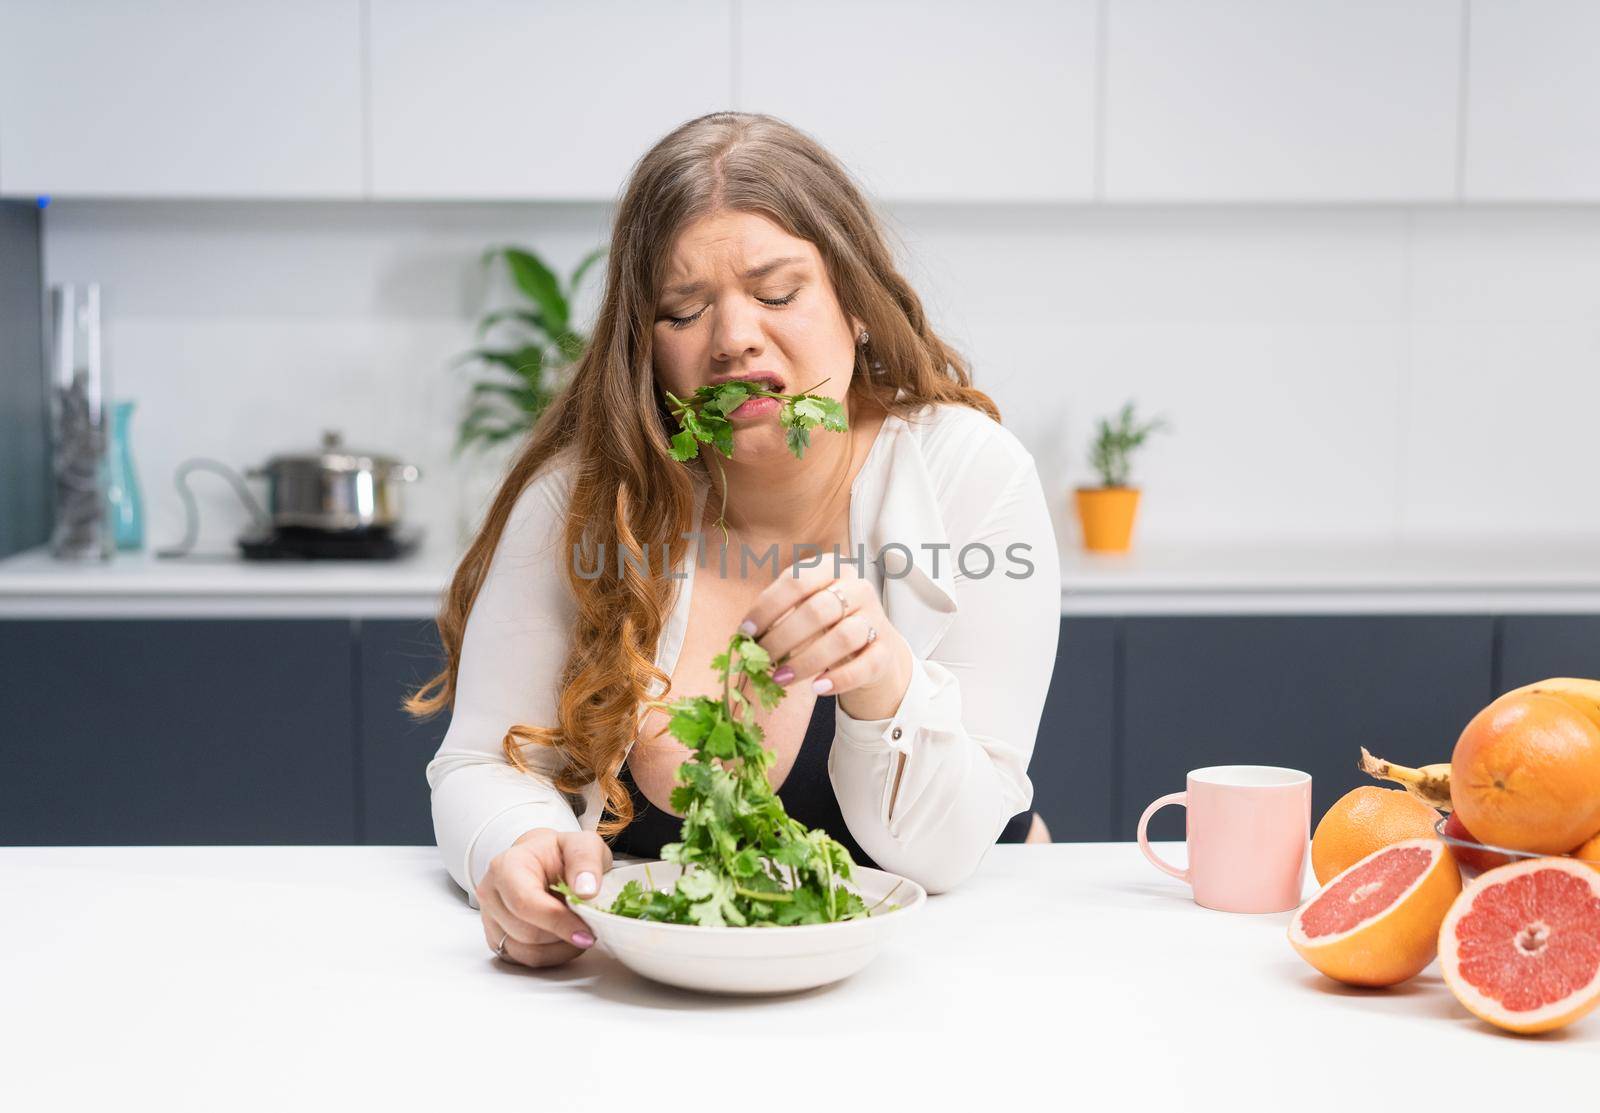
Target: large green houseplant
(535, 345)
(538, 347)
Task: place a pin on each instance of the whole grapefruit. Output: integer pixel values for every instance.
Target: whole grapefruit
(1363, 820)
(1525, 773)
(1520, 946)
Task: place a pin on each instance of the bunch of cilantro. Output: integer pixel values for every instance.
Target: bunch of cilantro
(746, 863)
(703, 419)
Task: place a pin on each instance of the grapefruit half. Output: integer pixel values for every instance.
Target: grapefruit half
(1520, 947)
(1377, 922)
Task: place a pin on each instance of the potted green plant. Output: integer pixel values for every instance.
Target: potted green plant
(538, 350)
(531, 361)
(1106, 512)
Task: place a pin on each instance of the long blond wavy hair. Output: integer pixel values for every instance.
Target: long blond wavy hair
(627, 492)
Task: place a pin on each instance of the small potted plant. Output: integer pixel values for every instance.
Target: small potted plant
(1106, 512)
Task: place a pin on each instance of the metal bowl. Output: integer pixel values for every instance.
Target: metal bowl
(1468, 851)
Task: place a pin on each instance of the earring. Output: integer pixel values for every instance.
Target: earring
(874, 366)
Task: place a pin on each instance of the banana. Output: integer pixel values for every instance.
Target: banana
(1430, 784)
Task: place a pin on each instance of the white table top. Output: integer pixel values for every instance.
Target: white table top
(1070, 976)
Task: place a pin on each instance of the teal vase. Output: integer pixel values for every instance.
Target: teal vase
(127, 508)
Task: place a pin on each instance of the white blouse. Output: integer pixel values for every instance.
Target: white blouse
(982, 637)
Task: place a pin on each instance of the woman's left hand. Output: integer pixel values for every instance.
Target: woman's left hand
(832, 629)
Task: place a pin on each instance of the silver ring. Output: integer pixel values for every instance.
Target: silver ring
(501, 949)
(872, 634)
(844, 604)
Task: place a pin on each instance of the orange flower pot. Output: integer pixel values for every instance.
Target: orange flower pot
(1106, 514)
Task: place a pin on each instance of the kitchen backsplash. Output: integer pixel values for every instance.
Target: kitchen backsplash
(1360, 372)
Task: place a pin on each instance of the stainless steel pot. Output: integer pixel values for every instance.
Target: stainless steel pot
(336, 489)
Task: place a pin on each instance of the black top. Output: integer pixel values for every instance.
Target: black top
(807, 796)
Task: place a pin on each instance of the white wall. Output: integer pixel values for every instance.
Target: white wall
(245, 329)
(1373, 372)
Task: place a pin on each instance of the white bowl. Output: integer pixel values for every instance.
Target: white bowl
(748, 959)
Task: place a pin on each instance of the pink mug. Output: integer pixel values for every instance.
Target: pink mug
(1249, 829)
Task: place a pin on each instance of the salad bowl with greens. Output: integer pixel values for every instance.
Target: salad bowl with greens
(756, 959)
(748, 900)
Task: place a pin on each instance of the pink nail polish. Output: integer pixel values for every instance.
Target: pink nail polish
(747, 627)
(783, 675)
(582, 939)
(822, 686)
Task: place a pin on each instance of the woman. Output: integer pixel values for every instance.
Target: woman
(914, 677)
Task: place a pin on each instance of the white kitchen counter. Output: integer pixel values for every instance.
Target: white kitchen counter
(1158, 578)
(140, 585)
(1069, 976)
(1440, 577)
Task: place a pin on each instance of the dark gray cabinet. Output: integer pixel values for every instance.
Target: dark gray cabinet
(291, 731)
(1535, 647)
(225, 731)
(176, 732)
(1306, 692)
(397, 657)
(25, 482)
(1073, 755)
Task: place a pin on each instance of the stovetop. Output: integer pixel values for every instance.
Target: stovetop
(304, 543)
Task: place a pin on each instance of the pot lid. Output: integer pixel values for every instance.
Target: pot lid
(335, 457)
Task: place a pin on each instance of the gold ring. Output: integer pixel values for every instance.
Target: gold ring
(501, 949)
(844, 604)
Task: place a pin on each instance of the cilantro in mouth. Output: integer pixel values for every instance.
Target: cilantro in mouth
(746, 862)
(703, 419)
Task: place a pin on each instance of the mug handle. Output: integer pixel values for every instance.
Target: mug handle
(1180, 798)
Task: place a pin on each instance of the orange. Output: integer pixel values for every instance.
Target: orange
(1377, 923)
(1589, 852)
(1525, 773)
(1520, 946)
(1363, 820)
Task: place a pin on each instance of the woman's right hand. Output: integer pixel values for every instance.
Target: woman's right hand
(516, 902)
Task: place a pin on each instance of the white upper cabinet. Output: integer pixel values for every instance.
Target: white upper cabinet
(182, 98)
(932, 99)
(1282, 100)
(1533, 101)
(924, 100)
(546, 99)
